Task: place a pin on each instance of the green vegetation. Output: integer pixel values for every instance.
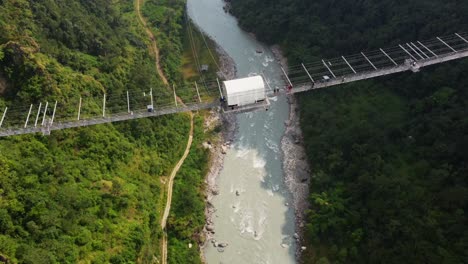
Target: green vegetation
(195, 42)
(187, 217)
(166, 19)
(389, 156)
(94, 194)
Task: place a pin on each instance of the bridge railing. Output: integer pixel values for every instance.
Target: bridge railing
(88, 110)
(322, 73)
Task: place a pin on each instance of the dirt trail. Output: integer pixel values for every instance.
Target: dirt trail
(154, 50)
(153, 47)
(169, 190)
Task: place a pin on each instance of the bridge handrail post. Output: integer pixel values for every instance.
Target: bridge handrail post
(53, 114)
(27, 118)
(368, 60)
(175, 96)
(420, 50)
(445, 43)
(38, 113)
(424, 46)
(328, 68)
(419, 55)
(104, 106)
(79, 109)
(198, 93)
(3, 116)
(388, 56)
(45, 112)
(464, 39)
(285, 75)
(220, 91)
(308, 74)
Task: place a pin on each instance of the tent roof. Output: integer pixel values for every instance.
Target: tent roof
(244, 84)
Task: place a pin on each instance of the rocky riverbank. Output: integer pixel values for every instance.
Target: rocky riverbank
(296, 169)
(295, 166)
(218, 148)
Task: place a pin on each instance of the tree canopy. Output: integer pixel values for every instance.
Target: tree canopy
(389, 156)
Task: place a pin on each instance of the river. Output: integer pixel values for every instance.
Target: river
(258, 222)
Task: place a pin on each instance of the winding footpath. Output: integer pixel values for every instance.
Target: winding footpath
(155, 51)
(153, 47)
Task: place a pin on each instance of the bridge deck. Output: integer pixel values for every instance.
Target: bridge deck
(325, 73)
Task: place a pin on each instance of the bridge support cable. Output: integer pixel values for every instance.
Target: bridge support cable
(462, 38)
(328, 68)
(175, 95)
(38, 113)
(348, 64)
(445, 43)
(308, 74)
(415, 51)
(198, 93)
(407, 52)
(390, 58)
(424, 46)
(53, 114)
(370, 62)
(45, 112)
(3, 116)
(420, 50)
(287, 78)
(27, 118)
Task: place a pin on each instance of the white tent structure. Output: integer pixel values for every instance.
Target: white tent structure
(244, 91)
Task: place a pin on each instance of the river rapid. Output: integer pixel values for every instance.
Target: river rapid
(254, 212)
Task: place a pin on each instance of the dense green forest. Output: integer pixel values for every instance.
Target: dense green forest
(389, 156)
(94, 194)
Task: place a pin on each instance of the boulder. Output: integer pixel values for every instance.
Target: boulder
(222, 245)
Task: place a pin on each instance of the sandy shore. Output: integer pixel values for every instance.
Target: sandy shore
(295, 166)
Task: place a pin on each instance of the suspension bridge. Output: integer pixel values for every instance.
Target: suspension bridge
(45, 117)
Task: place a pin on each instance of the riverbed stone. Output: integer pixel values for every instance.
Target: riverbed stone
(223, 245)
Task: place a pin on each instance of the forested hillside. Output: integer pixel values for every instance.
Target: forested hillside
(95, 194)
(389, 156)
